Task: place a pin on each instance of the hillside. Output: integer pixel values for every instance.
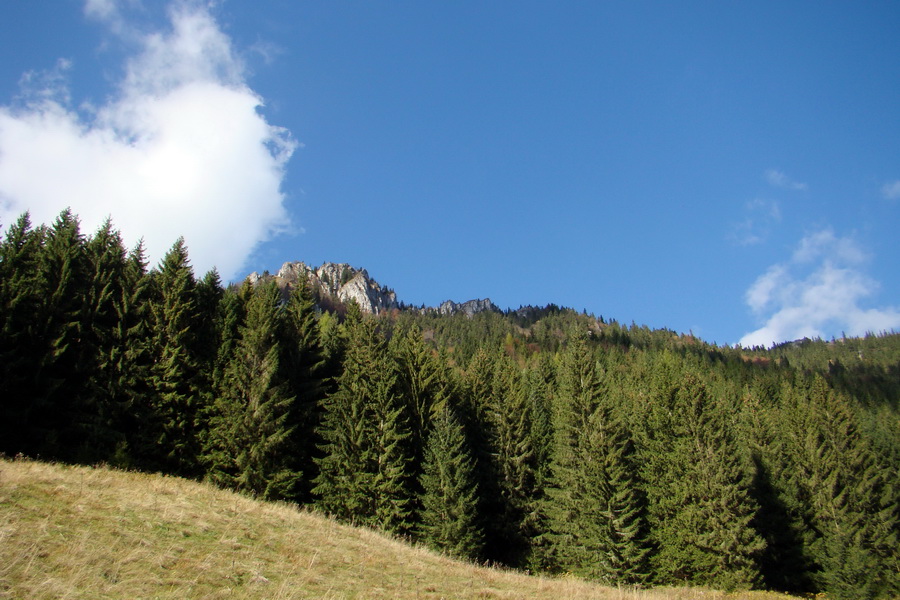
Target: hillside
(78, 532)
(541, 438)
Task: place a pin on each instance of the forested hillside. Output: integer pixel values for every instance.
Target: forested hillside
(544, 439)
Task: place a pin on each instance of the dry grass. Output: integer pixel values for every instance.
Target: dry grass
(74, 532)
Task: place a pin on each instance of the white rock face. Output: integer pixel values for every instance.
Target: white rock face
(336, 280)
(341, 282)
(469, 308)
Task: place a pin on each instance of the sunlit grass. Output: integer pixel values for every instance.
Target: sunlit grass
(75, 532)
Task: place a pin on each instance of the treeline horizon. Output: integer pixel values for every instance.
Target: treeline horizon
(549, 440)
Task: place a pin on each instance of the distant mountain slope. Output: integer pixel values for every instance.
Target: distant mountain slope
(341, 283)
(76, 532)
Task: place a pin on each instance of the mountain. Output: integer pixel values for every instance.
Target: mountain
(335, 282)
(340, 283)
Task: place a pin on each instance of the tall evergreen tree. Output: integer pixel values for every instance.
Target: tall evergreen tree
(538, 388)
(477, 390)
(364, 474)
(513, 458)
(596, 508)
(130, 361)
(175, 375)
(252, 422)
(305, 366)
(103, 402)
(450, 520)
(209, 294)
(60, 416)
(421, 383)
(698, 483)
(21, 295)
(784, 564)
(831, 475)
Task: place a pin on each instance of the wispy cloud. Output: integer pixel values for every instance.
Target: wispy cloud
(180, 149)
(891, 190)
(760, 216)
(778, 179)
(819, 292)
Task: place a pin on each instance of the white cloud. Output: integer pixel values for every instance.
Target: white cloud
(180, 149)
(778, 179)
(101, 9)
(818, 293)
(891, 190)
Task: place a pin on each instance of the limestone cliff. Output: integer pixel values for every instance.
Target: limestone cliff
(469, 308)
(336, 281)
(343, 283)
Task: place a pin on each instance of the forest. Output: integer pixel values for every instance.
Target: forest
(543, 439)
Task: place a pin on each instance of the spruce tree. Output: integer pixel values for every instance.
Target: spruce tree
(104, 402)
(476, 391)
(450, 520)
(304, 362)
(698, 484)
(175, 375)
(60, 414)
(251, 424)
(538, 388)
(596, 507)
(364, 473)
(513, 463)
(422, 384)
(832, 476)
(131, 360)
(784, 564)
(21, 295)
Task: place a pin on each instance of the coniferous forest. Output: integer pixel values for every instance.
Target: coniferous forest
(542, 439)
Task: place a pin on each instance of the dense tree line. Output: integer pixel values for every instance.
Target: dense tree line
(541, 439)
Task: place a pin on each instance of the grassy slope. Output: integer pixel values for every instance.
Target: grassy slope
(74, 532)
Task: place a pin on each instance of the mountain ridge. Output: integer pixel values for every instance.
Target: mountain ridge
(341, 283)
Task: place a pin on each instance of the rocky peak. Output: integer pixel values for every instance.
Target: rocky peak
(468, 308)
(335, 280)
(341, 282)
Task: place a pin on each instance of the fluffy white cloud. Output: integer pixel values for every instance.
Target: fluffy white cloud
(817, 293)
(181, 149)
(778, 179)
(891, 190)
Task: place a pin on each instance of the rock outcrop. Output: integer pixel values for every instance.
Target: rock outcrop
(337, 281)
(469, 308)
(342, 283)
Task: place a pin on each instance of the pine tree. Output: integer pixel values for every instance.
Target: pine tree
(538, 385)
(21, 296)
(513, 463)
(450, 520)
(538, 388)
(596, 507)
(63, 366)
(832, 476)
(251, 426)
(422, 384)
(784, 564)
(131, 361)
(305, 369)
(103, 401)
(364, 473)
(698, 484)
(477, 389)
(175, 378)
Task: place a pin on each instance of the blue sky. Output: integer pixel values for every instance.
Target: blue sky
(731, 169)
